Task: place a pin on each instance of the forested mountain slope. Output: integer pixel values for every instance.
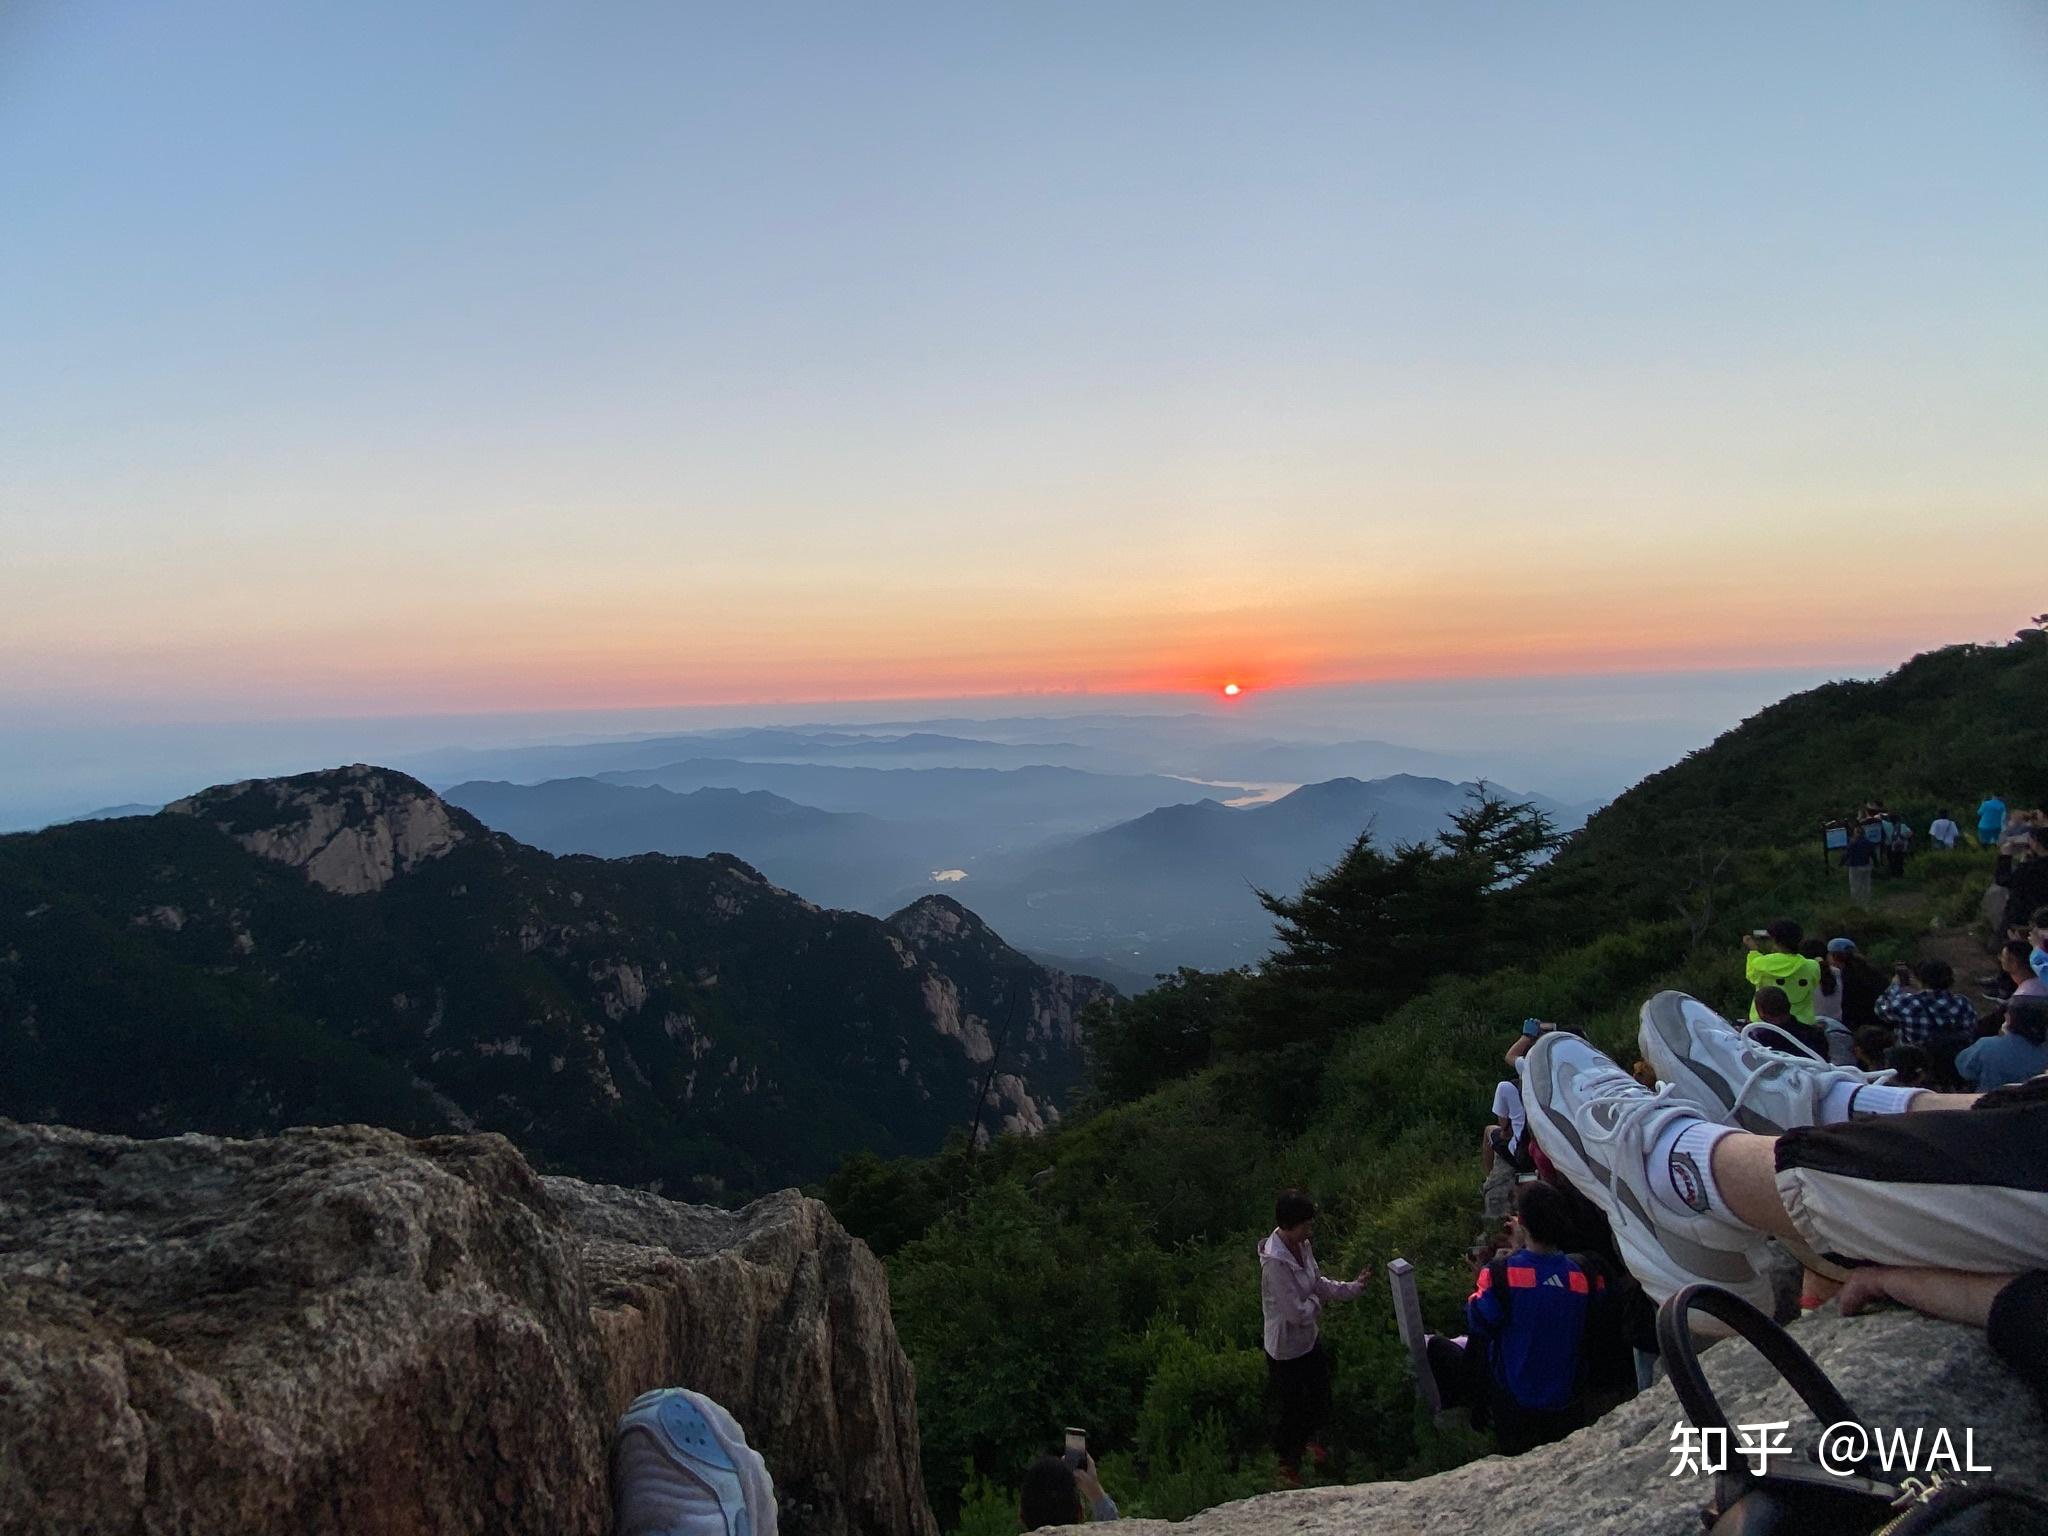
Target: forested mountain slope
(1937, 733)
(346, 946)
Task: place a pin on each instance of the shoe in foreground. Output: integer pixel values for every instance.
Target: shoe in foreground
(1730, 1078)
(1597, 1125)
(681, 1467)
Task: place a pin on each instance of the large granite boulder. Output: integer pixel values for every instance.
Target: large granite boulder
(343, 1330)
(1614, 1478)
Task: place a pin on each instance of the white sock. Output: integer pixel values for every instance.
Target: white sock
(1862, 1100)
(1681, 1168)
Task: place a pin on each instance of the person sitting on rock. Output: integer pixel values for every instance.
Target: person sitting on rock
(2017, 1052)
(1929, 1015)
(1937, 1196)
(1054, 1491)
(1777, 1028)
(1528, 1312)
(1503, 1146)
(2016, 971)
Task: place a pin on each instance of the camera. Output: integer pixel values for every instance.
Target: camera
(1076, 1453)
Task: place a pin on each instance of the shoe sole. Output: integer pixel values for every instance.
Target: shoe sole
(1662, 1262)
(1665, 1037)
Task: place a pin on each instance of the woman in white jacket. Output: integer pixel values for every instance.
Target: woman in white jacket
(1292, 1292)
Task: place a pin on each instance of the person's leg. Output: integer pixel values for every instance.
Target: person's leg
(1290, 1427)
(1953, 1191)
(1447, 1364)
(1928, 1100)
(1486, 1149)
(1319, 1374)
(1746, 1174)
(1511, 1429)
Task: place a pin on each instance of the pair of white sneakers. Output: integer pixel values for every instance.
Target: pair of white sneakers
(1597, 1125)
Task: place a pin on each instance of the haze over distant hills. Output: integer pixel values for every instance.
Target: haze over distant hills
(1577, 738)
(1053, 857)
(834, 858)
(1038, 801)
(1177, 885)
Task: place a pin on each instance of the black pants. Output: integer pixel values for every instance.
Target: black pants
(1517, 1429)
(1300, 1390)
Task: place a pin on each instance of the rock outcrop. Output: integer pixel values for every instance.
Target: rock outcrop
(350, 829)
(342, 1330)
(1614, 1478)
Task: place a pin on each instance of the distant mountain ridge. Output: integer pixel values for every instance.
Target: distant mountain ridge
(1176, 886)
(835, 858)
(1035, 799)
(345, 945)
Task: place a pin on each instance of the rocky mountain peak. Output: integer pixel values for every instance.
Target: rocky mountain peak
(352, 830)
(939, 920)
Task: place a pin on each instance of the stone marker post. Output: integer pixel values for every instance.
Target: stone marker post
(1408, 1314)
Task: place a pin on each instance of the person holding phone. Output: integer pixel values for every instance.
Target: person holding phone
(1774, 960)
(1292, 1294)
(1057, 1489)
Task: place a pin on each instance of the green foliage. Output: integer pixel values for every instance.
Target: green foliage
(1933, 735)
(1135, 1044)
(985, 1508)
(1106, 1274)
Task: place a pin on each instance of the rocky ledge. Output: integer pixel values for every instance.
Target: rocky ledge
(345, 1331)
(1614, 1478)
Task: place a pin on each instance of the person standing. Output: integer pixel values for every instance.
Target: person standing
(1861, 983)
(2028, 882)
(1898, 843)
(1774, 961)
(1944, 833)
(1990, 820)
(1292, 1294)
(1857, 858)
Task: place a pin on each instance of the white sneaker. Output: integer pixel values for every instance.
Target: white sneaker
(1597, 1125)
(681, 1467)
(1729, 1076)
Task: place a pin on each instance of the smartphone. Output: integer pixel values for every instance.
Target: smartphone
(1759, 933)
(1076, 1452)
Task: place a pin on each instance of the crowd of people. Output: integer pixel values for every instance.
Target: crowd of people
(1885, 1128)
(1832, 1120)
(1872, 839)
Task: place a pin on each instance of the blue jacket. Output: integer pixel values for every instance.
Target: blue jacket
(1533, 1333)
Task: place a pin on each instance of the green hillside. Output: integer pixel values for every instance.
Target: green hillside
(1104, 1275)
(1933, 735)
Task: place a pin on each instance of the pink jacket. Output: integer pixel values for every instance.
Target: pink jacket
(1292, 1293)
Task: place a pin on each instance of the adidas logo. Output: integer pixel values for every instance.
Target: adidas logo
(1556, 1280)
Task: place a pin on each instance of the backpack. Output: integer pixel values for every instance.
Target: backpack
(1802, 1498)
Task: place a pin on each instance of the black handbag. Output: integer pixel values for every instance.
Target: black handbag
(1802, 1498)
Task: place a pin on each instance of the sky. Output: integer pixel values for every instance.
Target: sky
(396, 360)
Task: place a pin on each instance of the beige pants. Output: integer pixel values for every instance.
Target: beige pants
(1959, 1189)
